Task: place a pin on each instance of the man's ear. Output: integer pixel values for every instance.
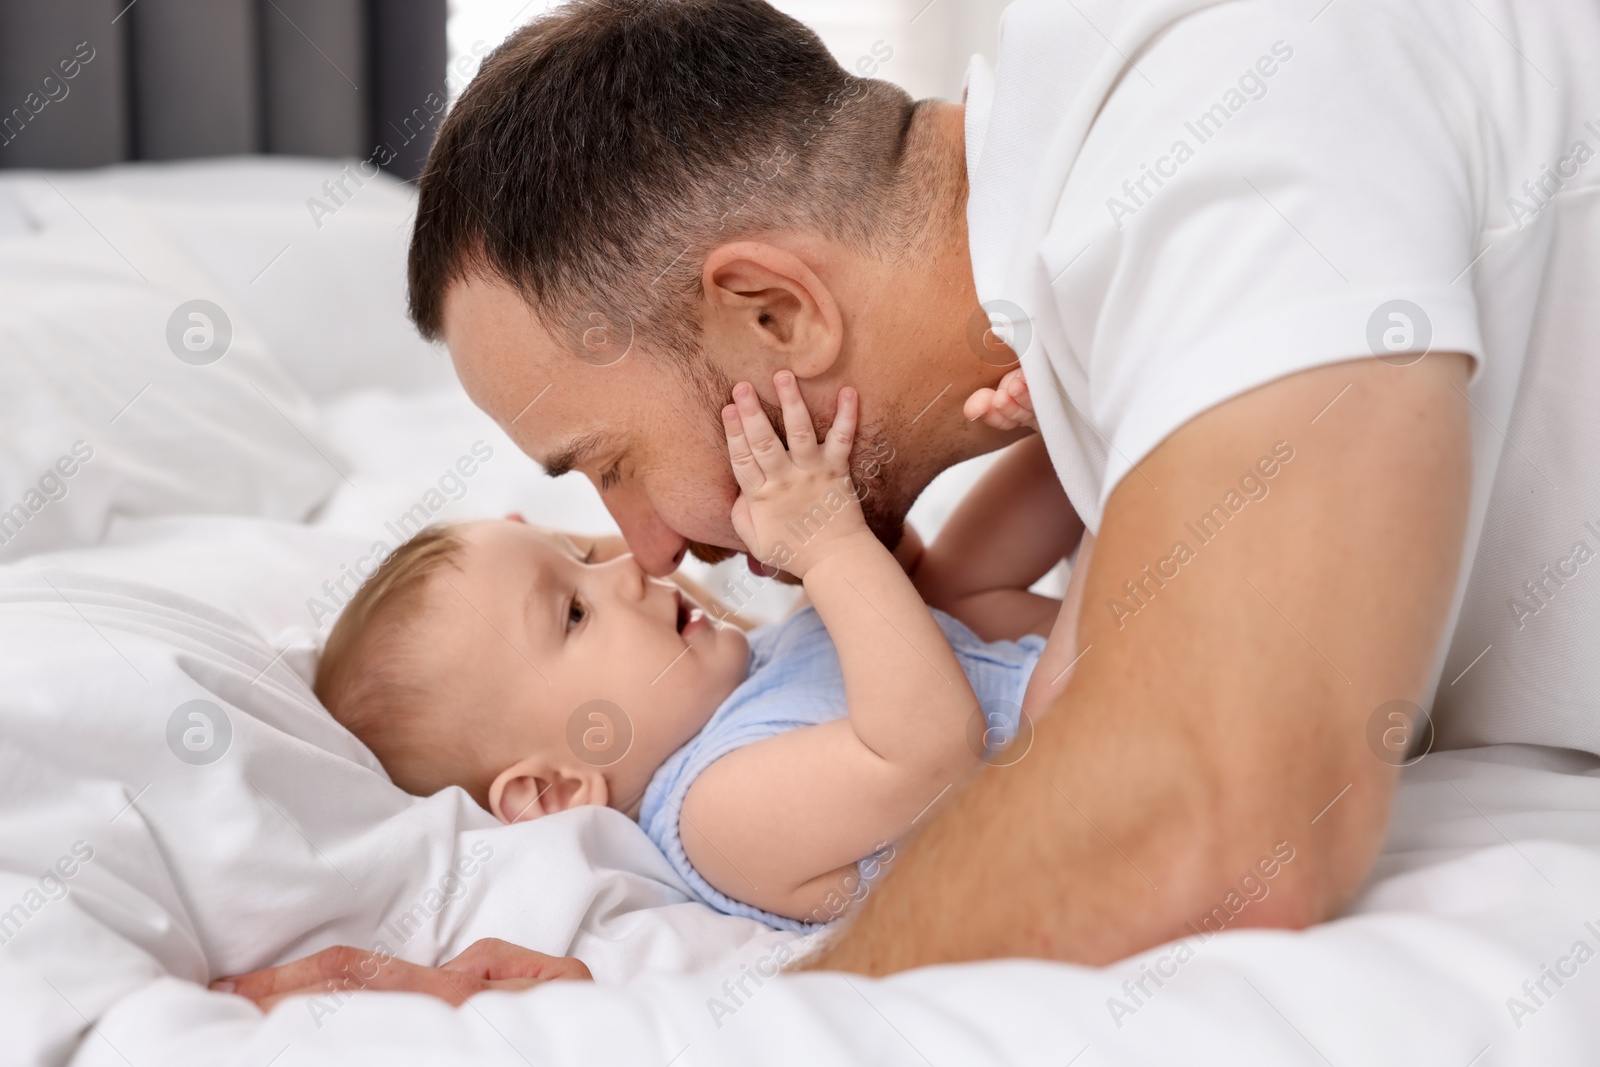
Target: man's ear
(538, 786)
(765, 300)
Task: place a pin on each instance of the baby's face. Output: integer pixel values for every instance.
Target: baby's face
(534, 630)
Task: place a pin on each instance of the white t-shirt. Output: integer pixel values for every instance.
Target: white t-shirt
(1270, 187)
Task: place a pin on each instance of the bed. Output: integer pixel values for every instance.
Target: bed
(214, 417)
(175, 805)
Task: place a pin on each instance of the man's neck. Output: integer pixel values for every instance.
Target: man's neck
(938, 276)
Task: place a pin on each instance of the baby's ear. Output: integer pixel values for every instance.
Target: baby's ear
(537, 786)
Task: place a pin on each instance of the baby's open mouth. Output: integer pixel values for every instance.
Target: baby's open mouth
(689, 614)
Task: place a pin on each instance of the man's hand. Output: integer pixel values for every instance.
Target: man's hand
(797, 504)
(485, 965)
(1213, 734)
(1005, 407)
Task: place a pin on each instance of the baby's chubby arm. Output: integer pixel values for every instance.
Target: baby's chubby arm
(780, 823)
(1006, 534)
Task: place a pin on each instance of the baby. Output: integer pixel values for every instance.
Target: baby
(539, 670)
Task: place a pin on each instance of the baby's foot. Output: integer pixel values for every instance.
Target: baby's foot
(1005, 407)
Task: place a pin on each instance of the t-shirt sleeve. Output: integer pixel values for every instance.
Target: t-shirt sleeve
(1260, 196)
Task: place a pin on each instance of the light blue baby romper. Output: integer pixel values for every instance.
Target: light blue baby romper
(795, 680)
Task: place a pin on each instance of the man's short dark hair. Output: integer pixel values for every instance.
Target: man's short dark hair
(604, 145)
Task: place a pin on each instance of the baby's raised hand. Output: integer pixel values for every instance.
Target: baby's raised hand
(795, 505)
(1005, 407)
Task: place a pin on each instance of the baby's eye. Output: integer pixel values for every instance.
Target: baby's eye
(576, 613)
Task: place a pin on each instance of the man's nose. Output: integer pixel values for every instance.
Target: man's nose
(656, 547)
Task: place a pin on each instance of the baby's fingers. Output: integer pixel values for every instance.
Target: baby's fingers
(1015, 385)
(986, 404)
(979, 404)
(1006, 406)
(765, 445)
(842, 434)
(744, 525)
(797, 428)
(746, 471)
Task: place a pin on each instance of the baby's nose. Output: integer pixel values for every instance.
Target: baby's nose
(631, 580)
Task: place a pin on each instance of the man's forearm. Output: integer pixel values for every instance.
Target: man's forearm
(1217, 716)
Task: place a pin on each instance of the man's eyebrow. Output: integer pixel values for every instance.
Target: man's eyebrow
(577, 451)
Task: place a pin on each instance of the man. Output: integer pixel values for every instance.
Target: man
(1300, 294)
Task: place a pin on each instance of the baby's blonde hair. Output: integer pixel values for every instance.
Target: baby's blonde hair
(369, 674)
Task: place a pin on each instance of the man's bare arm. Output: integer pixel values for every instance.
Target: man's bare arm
(1227, 711)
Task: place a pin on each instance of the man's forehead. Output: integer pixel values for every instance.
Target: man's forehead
(511, 366)
(491, 333)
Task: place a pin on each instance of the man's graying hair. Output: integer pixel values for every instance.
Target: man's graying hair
(603, 149)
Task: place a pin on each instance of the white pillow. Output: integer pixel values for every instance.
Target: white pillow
(115, 399)
(262, 572)
(312, 251)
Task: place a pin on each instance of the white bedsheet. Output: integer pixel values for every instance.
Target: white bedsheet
(165, 872)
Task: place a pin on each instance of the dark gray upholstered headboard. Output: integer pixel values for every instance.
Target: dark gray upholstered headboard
(90, 82)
